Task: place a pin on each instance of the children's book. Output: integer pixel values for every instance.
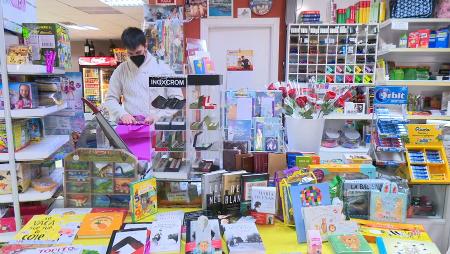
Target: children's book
(54, 250)
(391, 245)
(130, 241)
(328, 220)
(263, 199)
(100, 225)
(373, 229)
(231, 192)
(212, 191)
(93, 249)
(239, 130)
(350, 244)
(203, 236)
(388, 207)
(269, 104)
(307, 195)
(49, 229)
(143, 199)
(266, 134)
(136, 225)
(243, 238)
(248, 181)
(166, 237)
(70, 211)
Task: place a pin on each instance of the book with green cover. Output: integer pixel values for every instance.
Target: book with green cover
(349, 244)
(143, 199)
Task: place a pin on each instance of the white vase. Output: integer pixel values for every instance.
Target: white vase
(304, 135)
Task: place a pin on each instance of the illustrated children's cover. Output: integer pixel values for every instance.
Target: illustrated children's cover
(350, 244)
(390, 245)
(70, 211)
(143, 199)
(203, 236)
(239, 130)
(307, 195)
(328, 220)
(100, 225)
(388, 207)
(49, 229)
(243, 238)
(130, 241)
(266, 134)
(166, 237)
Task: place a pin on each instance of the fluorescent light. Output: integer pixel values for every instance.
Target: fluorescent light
(91, 28)
(123, 3)
(76, 27)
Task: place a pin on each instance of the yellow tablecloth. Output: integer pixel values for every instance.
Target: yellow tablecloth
(277, 238)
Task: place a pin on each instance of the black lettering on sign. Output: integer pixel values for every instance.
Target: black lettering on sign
(167, 81)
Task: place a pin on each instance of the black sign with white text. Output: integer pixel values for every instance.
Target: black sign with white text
(167, 81)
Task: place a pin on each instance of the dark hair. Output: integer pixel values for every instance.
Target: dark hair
(132, 37)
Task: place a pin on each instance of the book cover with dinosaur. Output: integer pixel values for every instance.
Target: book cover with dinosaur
(143, 199)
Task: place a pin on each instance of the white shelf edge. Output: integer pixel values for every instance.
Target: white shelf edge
(34, 195)
(340, 149)
(431, 83)
(39, 151)
(424, 221)
(388, 22)
(32, 69)
(413, 51)
(35, 112)
(348, 117)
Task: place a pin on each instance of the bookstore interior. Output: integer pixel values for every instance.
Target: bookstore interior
(225, 126)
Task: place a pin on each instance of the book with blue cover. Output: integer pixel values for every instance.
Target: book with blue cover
(239, 130)
(267, 134)
(304, 195)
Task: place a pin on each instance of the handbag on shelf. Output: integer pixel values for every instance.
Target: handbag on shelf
(137, 137)
(401, 9)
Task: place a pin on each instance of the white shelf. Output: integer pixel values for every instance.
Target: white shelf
(35, 112)
(435, 22)
(33, 195)
(39, 151)
(431, 83)
(428, 117)
(340, 149)
(348, 117)
(32, 69)
(424, 55)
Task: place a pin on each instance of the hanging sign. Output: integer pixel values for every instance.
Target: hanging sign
(391, 95)
(261, 7)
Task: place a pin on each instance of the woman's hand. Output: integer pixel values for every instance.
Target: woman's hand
(127, 119)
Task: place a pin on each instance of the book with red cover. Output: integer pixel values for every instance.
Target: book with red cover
(261, 162)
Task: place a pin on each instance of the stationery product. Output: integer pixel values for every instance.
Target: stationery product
(390, 245)
(243, 238)
(314, 241)
(143, 199)
(133, 241)
(231, 192)
(203, 236)
(49, 229)
(307, 195)
(350, 244)
(212, 191)
(100, 225)
(166, 237)
(248, 181)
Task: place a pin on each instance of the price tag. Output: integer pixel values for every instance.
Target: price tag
(399, 25)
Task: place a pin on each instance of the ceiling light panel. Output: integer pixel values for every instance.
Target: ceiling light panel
(123, 3)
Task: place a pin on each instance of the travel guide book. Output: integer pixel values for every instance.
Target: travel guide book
(143, 199)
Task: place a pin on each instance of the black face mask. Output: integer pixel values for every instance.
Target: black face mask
(138, 60)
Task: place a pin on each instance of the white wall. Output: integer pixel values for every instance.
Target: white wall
(78, 50)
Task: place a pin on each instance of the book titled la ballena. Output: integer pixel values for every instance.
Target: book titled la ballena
(231, 192)
(243, 238)
(212, 190)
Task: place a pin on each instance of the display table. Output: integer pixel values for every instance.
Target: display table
(277, 238)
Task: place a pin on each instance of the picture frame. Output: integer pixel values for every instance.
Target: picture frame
(220, 8)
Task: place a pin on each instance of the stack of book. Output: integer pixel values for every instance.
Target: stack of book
(310, 17)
